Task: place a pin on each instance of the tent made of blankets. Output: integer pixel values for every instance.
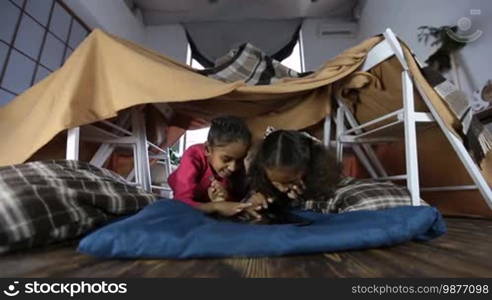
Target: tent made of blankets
(107, 75)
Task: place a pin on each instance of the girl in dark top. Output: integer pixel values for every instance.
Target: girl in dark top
(293, 169)
(289, 168)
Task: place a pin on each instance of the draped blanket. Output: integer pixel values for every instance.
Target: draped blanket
(106, 75)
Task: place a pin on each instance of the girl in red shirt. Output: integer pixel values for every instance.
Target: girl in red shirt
(211, 176)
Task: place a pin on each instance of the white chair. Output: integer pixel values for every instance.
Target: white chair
(348, 131)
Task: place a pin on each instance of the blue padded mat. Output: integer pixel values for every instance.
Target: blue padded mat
(171, 229)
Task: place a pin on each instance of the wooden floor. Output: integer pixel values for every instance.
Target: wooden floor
(465, 251)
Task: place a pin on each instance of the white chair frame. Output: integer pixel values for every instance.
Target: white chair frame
(136, 139)
(360, 140)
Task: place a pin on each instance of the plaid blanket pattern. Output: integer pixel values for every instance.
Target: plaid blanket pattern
(249, 64)
(47, 201)
(353, 194)
(478, 139)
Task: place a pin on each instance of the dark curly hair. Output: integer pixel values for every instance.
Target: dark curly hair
(287, 148)
(228, 129)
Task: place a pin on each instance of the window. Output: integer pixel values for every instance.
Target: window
(192, 137)
(36, 37)
(294, 61)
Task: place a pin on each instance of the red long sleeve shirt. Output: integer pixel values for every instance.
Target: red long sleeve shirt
(191, 180)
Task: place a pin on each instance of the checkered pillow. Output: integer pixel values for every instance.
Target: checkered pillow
(48, 201)
(367, 194)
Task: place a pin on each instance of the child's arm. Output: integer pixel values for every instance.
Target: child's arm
(184, 181)
(258, 202)
(224, 208)
(184, 190)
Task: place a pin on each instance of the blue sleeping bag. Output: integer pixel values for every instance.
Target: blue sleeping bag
(171, 229)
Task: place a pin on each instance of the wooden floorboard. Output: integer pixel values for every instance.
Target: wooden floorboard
(462, 252)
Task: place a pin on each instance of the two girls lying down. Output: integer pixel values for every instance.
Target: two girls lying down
(290, 170)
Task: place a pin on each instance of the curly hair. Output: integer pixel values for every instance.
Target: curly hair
(292, 149)
(228, 129)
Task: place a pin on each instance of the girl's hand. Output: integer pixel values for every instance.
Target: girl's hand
(228, 209)
(292, 190)
(217, 192)
(296, 190)
(258, 202)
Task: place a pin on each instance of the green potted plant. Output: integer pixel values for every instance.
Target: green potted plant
(442, 36)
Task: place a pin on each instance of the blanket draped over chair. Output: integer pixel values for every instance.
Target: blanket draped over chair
(107, 74)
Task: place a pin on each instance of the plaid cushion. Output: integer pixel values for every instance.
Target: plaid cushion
(352, 195)
(48, 201)
(251, 65)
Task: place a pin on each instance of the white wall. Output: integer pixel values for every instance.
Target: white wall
(404, 17)
(112, 16)
(169, 40)
(317, 50)
(115, 17)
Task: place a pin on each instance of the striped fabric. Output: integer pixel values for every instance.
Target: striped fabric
(48, 201)
(353, 194)
(251, 65)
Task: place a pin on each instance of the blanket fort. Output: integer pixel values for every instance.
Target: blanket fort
(107, 74)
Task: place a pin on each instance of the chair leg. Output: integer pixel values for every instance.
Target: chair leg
(411, 158)
(364, 161)
(373, 164)
(73, 142)
(340, 130)
(102, 154)
(168, 163)
(142, 157)
(105, 150)
(327, 131)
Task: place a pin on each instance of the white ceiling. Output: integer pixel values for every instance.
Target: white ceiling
(158, 12)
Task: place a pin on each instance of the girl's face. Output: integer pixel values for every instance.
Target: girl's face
(284, 179)
(226, 159)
